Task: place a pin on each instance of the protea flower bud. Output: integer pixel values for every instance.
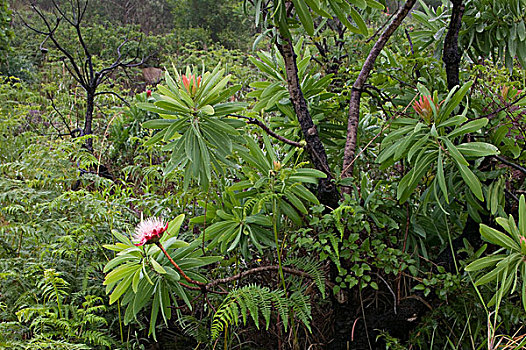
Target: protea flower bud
(423, 108)
(191, 84)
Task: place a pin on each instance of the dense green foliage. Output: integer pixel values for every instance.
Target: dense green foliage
(426, 247)
(5, 31)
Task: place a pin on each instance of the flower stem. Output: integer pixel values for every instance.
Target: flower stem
(188, 279)
(276, 239)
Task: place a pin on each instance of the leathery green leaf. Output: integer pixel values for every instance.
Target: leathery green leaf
(157, 267)
(522, 216)
(484, 262)
(496, 237)
(304, 15)
(440, 176)
(472, 181)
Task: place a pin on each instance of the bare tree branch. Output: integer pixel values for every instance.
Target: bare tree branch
(80, 66)
(356, 92)
(259, 123)
(511, 164)
(259, 270)
(114, 94)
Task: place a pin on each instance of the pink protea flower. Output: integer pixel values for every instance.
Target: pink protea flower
(150, 231)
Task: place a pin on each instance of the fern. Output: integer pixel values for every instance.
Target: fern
(197, 329)
(301, 306)
(255, 299)
(312, 267)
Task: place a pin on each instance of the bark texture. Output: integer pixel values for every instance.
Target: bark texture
(349, 333)
(88, 121)
(451, 56)
(327, 192)
(356, 92)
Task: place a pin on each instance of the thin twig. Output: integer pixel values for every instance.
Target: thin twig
(259, 123)
(508, 105)
(114, 94)
(513, 165)
(260, 270)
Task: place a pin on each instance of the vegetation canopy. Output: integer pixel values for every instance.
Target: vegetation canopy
(262, 174)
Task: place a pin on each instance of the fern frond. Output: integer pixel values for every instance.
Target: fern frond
(301, 306)
(249, 206)
(257, 299)
(97, 338)
(312, 267)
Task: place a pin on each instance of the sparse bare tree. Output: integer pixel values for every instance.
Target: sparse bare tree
(79, 63)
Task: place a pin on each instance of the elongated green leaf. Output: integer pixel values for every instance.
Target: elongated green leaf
(282, 23)
(496, 237)
(315, 6)
(358, 3)
(223, 109)
(310, 172)
(472, 126)
(290, 212)
(121, 288)
(402, 148)
(389, 152)
(343, 17)
(164, 298)
(152, 108)
(169, 106)
(302, 192)
(452, 101)
(472, 181)
(484, 262)
(135, 281)
(410, 181)
(119, 247)
(120, 272)
(158, 123)
(455, 121)
(417, 147)
(374, 4)
(155, 312)
(207, 109)
(521, 31)
(122, 238)
(115, 262)
(454, 152)
(359, 21)
(477, 149)
(440, 176)
(303, 13)
(295, 201)
(157, 267)
(522, 216)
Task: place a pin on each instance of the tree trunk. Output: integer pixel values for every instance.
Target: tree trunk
(451, 56)
(349, 333)
(356, 92)
(90, 104)
(327, 192)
